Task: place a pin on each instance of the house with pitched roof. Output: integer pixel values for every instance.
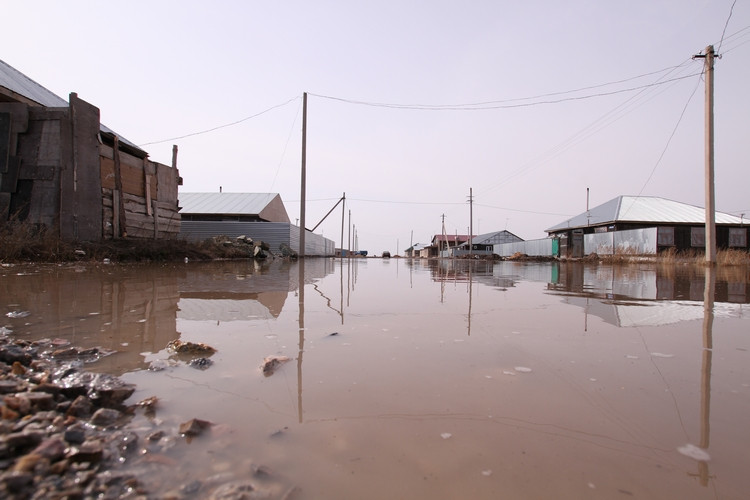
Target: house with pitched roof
(645, 222)
(259, 216)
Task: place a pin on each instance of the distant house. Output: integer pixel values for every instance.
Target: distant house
(484, 244)
(673, 224)
(260, 216)
(237, 207)
(415, 250)
(61, 168)
(442, 244)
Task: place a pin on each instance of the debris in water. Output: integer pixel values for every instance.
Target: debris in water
(660, 355)
(181, 347)
(508, 372)
(692, 451)
(446, 435)
(631, 356)
(200, 363)
(522, 369)
(271, 363)
(18, 314)
(487, 472)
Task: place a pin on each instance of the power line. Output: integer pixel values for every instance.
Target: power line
(522, 211)
(594, 127)
(407, 202)
(731, 9)
(283, 153)
(669, 140)
(220, 126)
(734, 37)
(493, 104)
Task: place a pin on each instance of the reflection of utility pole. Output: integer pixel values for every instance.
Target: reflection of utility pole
(708, 344)
(470, 288)
(301, 267)
(710, 235)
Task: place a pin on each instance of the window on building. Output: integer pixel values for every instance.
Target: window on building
(698, 237)
(665, 236)
(737, 237)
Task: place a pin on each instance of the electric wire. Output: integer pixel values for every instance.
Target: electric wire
(731, 9)
(220, 126)
(666, 146)
(283, 153)
(611, 116)
(491, 104)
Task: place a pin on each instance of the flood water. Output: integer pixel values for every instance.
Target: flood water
(423, 379)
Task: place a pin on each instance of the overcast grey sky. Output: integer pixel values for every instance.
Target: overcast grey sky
(159, 70)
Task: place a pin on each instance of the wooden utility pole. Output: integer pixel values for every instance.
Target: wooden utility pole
(471, 222)
(343, 213)
(303, 181)
(710, 235)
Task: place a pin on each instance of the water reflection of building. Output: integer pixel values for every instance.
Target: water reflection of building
(129, 310)
(133, 310)
(243, 290)
(461, 270)
(647, 296)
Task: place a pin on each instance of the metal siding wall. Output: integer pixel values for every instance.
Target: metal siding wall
(273, 233)
(634, 241)
(533, 248)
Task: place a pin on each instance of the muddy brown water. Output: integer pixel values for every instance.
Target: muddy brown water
(443, 380)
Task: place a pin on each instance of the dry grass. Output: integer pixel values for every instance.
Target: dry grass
(730, 257)
(29, 242)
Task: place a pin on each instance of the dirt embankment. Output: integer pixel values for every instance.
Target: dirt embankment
(29, 244)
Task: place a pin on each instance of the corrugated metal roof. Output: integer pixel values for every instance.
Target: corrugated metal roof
(14, 80)
(225, 203)
(642, 209)
(503, 236)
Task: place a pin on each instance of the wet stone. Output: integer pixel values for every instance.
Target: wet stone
(201, 363)
(17, 481)
(21, 440)
(81, 407)
(89, 451)
(194, 427)
(52, 448)
(105, 416)
(13, 353)
(75, 434)
(40, 400)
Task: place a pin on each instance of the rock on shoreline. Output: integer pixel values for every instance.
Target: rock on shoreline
(64, 434)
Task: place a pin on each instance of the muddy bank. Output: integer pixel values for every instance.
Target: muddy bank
(24, 244)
